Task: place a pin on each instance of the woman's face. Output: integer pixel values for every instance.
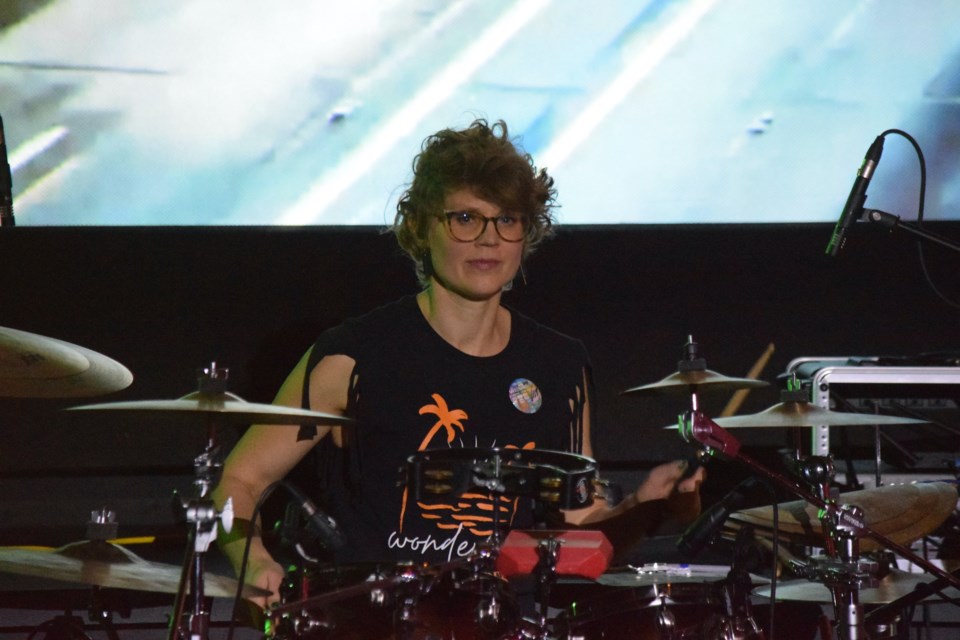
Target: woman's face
(476, 270)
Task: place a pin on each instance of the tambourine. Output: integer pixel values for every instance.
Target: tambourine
(557, 479)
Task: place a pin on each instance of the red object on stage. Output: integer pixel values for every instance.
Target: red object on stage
(581, 553)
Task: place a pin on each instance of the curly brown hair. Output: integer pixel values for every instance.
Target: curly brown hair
(485, 160)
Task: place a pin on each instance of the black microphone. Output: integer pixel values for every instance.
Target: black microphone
(319, 524)
(858, 195)
(705, 527)
(6, 184)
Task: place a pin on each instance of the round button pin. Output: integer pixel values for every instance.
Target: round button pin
(525, 395)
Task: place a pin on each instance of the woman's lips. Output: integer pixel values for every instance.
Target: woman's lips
(484, 265)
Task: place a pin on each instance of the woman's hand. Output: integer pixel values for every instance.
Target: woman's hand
(264, 572)
(666, 479)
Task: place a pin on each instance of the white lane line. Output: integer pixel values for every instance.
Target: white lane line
(323, 193)
(36, 145)
(636, 70)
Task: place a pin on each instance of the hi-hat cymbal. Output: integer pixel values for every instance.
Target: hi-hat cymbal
(226, 406)
(104, 564)
(33, 366)
(682, 382)
(892, 586)
(902, 513)
(807, 414)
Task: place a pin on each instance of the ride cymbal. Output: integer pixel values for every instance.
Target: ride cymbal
(104, 564)
(902, 513)
(807, 414)
(226, 406)
(33, 366)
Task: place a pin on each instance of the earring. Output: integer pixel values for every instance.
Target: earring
(523, 275)
(426, 264)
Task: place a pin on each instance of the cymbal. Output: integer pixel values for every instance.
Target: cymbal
(33, 366)
(105, 564)
(227, 407)
(659, 573)
(892, 586)
(807, 414)
(903, 513)
(682, 382)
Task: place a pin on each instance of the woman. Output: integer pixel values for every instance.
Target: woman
(449, 367)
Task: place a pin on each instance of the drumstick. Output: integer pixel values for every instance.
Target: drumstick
(118, 541)
(740, 394)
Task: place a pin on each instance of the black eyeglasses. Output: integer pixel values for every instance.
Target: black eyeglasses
(467, 226)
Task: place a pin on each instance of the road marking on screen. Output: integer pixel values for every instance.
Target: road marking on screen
(638, 68)
(42, 187)
(323, 193)
(47, 188)
(36, 145)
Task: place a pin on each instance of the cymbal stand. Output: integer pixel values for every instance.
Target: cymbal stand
(841, 570)
(101, 527)
(201, 513)
(844, 524)
(484, 563)
(739, 623)
(548, 552)
(794, 392)
(692, 361)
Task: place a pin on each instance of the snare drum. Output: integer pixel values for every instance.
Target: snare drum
(680, 612)
(667, 601)
(675, 611)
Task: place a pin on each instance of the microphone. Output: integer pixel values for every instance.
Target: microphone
(704, 528)
(858, 195)
(319, 524)
(6, 184)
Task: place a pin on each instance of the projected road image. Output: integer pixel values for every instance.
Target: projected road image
(121, 112)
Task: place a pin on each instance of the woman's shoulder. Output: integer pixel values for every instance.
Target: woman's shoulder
(380, 324)
(529, 330)
(386, 314)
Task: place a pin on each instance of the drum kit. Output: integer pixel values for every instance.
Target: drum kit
(527, 584)
(35, 366)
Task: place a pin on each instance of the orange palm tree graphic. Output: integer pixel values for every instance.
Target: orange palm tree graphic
(446, 419)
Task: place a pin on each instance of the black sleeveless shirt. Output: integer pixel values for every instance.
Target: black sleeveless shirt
(412, 391)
